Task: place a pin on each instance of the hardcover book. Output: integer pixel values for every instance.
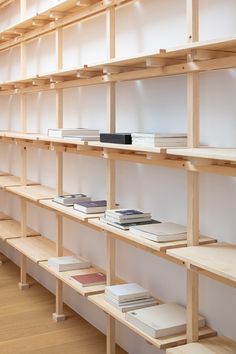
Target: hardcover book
(93, 206)
(161, 320)
(68, 263)
(71, 199)
(127, 292)
(125, 225)
(116, 138)
(62, 132)
(90, 279)
(82, 137)
(132, 305)
(123, 214)
(163, 232)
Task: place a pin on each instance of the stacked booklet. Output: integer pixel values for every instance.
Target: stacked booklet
(159, 140)
(80, 134)
(71, 199)
(125, 218)
(128, 297)
(161, 232)
(65, 263)
(91, 207)
(161, 320)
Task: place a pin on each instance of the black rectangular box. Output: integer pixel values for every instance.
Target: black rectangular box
(116, 138)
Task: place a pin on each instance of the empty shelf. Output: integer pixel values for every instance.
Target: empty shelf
(161, 343)
(34, 193)
(4, 216)
(10, 181)
(218, 258)
(216, 345)
(36, 248)
(12, 229)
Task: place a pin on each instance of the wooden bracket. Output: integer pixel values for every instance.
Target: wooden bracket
(56, 15)
(159, 62)
(39, 23)
(84, 3)
(39, 82)
(86, 74)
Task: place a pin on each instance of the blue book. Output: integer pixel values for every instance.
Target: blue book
(93, 206)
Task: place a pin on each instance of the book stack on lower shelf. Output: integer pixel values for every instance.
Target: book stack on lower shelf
(128, 297)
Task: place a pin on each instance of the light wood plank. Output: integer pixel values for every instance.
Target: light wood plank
(33, 193)
(36, 248)
(11, 181)
(216, 345)
(12, 229)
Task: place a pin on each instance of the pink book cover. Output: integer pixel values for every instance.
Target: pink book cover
(90, 279)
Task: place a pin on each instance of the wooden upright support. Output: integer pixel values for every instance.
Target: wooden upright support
(58, 315)
(192, 178)
(111, 171)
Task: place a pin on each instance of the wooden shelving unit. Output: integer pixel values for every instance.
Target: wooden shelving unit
(161, 343)
(221, 345)
(198, 253)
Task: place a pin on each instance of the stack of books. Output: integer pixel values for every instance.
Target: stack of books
(159, 140)
(91, 207)
(161, 320)
(62, 264)
(125, 218)
(161, 232)
(80, 134)
(71, 199)
(128, 297)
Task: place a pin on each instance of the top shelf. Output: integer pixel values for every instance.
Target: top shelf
(223, 154)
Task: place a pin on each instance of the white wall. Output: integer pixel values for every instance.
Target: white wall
(155, 104)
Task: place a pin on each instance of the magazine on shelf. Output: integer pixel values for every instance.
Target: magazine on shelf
(127, 292)
(65, 263)
(90, 279)
(162, 232)
(132, 305)
(125, 226)
(124, 214)
(71, 199)
(161, 320)
(159, 135)
(82, 137)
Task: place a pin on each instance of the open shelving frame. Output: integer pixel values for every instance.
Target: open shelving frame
(189, 59)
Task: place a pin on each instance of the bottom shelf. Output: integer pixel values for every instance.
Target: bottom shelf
(162, 343)
(216, 345)
(65, 277)
(4, 216)
(11, 229)
(36, 248)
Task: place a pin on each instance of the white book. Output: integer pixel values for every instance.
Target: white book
(124, 214)
(71, 199)
(127, 221)
(62, 132)
(160, 144)
(133, 305)
(68, 263)
(82, 137)
(161, 320)
(159, 135)
(127, 292)
(162, 232)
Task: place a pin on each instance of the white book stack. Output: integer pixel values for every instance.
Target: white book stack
(71, 199)
(124, 218)
(161, 232)
(159, 140)
(65, 263)
(128, 297)
(80, 134)
(161, 320)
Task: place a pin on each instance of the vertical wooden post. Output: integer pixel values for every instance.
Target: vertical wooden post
(23, 118)
(111, 171)
(58, 315)
(192, 177)
(22, 9)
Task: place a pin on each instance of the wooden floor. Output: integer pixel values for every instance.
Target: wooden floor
(26, 324)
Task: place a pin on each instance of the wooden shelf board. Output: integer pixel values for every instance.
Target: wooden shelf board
(36, 248)
(225, 154)
(141, 241)
(218, 258)
(12, 229)
(128, 147)
(65, 277)
(67, 211)
(161, 343)
(33, 193)
(3, 216)
(215, 345)
(12, 181)
(4, 173)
